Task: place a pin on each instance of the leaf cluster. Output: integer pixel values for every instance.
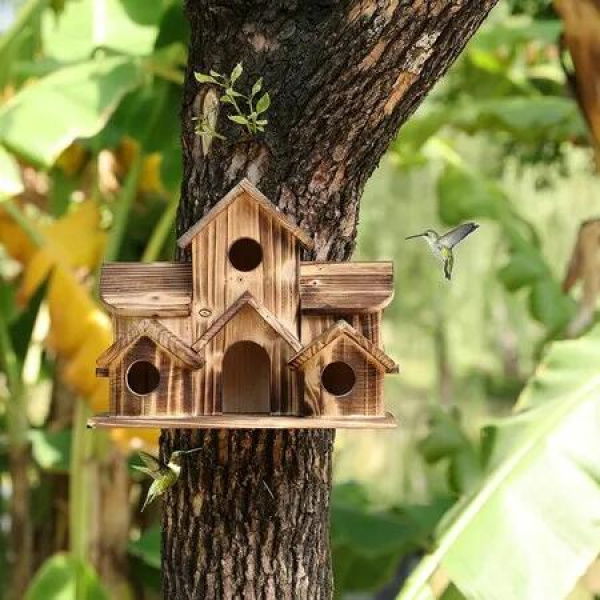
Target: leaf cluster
(246, 110)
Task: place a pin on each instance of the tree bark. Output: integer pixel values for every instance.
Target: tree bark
(249, 518)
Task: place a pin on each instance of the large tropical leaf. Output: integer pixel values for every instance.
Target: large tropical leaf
(533, 526)
(79, 99)
(63, 577)
(126, 26)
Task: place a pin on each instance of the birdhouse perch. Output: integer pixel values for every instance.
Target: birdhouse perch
(246, 335)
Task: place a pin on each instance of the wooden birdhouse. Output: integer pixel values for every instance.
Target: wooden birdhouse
(246, 334)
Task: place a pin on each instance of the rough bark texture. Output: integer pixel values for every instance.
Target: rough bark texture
(250, 517)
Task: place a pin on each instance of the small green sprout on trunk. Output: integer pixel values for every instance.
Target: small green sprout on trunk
(245, 110)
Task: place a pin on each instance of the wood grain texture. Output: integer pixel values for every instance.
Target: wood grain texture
(365, 398)
(217, 283)
(247, 324)
(173, 396)
(244, 187)
(246, 379)
(356, 287)
(246, 299)
(147, 289)
(386, 421)
(161, 336)
(342, 329)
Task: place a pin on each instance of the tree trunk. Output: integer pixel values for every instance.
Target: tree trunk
(250, 517)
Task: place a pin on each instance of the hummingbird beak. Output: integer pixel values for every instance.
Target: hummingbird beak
(193, 450)
(410, 237)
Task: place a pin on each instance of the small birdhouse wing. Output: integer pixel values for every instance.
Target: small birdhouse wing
(152, 289)
(357, 287)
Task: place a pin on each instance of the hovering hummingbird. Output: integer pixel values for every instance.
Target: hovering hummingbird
(164, 475)
(441, 245)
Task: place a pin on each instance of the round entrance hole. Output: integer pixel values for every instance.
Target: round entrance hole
(245, 254)
(338, 378)
(142, 377)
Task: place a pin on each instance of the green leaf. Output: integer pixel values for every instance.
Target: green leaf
(147, 547)
(11, 183)
(235, 74)
(524, 268)
(257, 87)
(263, 103)
(367, 545)
(239, 119)
(203, 78)
(51, 449)
(465, 194)
(62, 577)
(549, 305)
(525, 117)
(533, 526)
(125, 26)
(81, 99)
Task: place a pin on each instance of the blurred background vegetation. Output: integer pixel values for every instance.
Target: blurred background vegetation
(490, 487)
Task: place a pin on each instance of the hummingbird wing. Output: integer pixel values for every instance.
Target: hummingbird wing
(146, 471)
(454, 236)
(152, 463)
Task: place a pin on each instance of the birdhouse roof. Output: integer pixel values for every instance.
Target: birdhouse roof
(357, 287)
(246, 299)
(147, 289)
(161, 336)
(261, 200)
(343, 329)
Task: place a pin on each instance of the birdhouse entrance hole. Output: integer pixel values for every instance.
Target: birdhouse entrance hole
(142, 377)
(338, 378)
(246, 379)
(245, 254)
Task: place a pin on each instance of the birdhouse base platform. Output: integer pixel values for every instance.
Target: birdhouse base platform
(245, 421)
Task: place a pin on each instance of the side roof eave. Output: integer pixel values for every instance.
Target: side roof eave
(263, 202)
(247, 299)
(342, 328)
(161, 336)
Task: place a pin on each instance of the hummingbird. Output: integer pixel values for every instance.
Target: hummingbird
(441, 245)
(164, 475)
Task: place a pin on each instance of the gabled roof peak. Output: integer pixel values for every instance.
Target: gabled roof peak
(161, 336)
(247, 299)
(342, 328)
(263, 202)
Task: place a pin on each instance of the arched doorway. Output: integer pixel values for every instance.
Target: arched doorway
(246, 379)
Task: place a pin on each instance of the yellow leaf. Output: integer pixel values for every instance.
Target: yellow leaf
(79, 330)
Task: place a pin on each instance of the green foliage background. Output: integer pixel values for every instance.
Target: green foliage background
(489, 487)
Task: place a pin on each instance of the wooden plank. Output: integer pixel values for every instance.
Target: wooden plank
(346, 287)
(386, 421)
(147, 289)
(343, 329)
(245, 187)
